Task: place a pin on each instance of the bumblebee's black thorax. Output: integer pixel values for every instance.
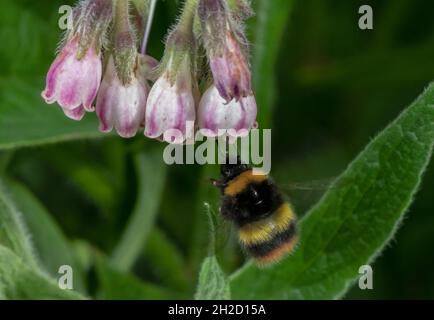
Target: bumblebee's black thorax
(250, 199)
(266, 223)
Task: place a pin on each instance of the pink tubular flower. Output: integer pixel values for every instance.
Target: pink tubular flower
(73, 82)
(215, 114)
(119, 105)
(230, 71)
(226, 49)
(171, 104)
(75, 114)
(75, 75)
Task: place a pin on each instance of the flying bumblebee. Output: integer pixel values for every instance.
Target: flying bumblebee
(266, 223)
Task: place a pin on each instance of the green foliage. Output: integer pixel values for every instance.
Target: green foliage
(33, 121)
(52, 247)
(19, 281)
(118, 285)
(213, 284)
(13, 232)
(151, 175)
(268, 32)
(355, 219)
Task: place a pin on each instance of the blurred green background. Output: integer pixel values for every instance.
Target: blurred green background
(324, 86)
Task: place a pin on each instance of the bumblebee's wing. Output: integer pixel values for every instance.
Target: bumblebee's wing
(304, 194)
(315, 185)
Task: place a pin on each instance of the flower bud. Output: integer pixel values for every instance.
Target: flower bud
(171, 102)
(121, 106)
(227, 59)
(215, 114)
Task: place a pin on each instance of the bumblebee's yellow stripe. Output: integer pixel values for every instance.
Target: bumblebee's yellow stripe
(239, 183)
(277, 254)
(264, 230)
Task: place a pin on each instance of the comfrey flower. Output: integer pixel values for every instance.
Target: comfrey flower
(215, 114)
(75, 75)
(121, 106)
(111, 29)
(171, 102)
(226, 52)
(121, 102)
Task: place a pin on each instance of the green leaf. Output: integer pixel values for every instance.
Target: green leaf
(5, 159)
(114, 284)
(99, 174)
(272, 18)
(13, 231)
(151, 173)
(18, 280)
(52, 247)
(166, 260)
(29, 37)
(354, 220)
(213, 283)
(25, 119)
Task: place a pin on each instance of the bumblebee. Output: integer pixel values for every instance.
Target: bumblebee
(266, 223)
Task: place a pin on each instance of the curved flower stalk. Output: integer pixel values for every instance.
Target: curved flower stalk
(74, 77)
(215, 115)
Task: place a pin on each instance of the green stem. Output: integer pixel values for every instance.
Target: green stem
(240, 9)
(187, 17)
(122, 16)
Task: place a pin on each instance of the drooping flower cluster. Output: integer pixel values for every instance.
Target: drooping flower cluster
(115, 76)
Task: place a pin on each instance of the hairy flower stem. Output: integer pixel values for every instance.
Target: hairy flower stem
(186, 21)
(125, 48)
(122, 22)
(148, 28)
(241, 9)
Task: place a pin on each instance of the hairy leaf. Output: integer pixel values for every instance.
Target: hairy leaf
(213, 283)
(19, 280)
(13, 231)
(52, 248)
(353, 222)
